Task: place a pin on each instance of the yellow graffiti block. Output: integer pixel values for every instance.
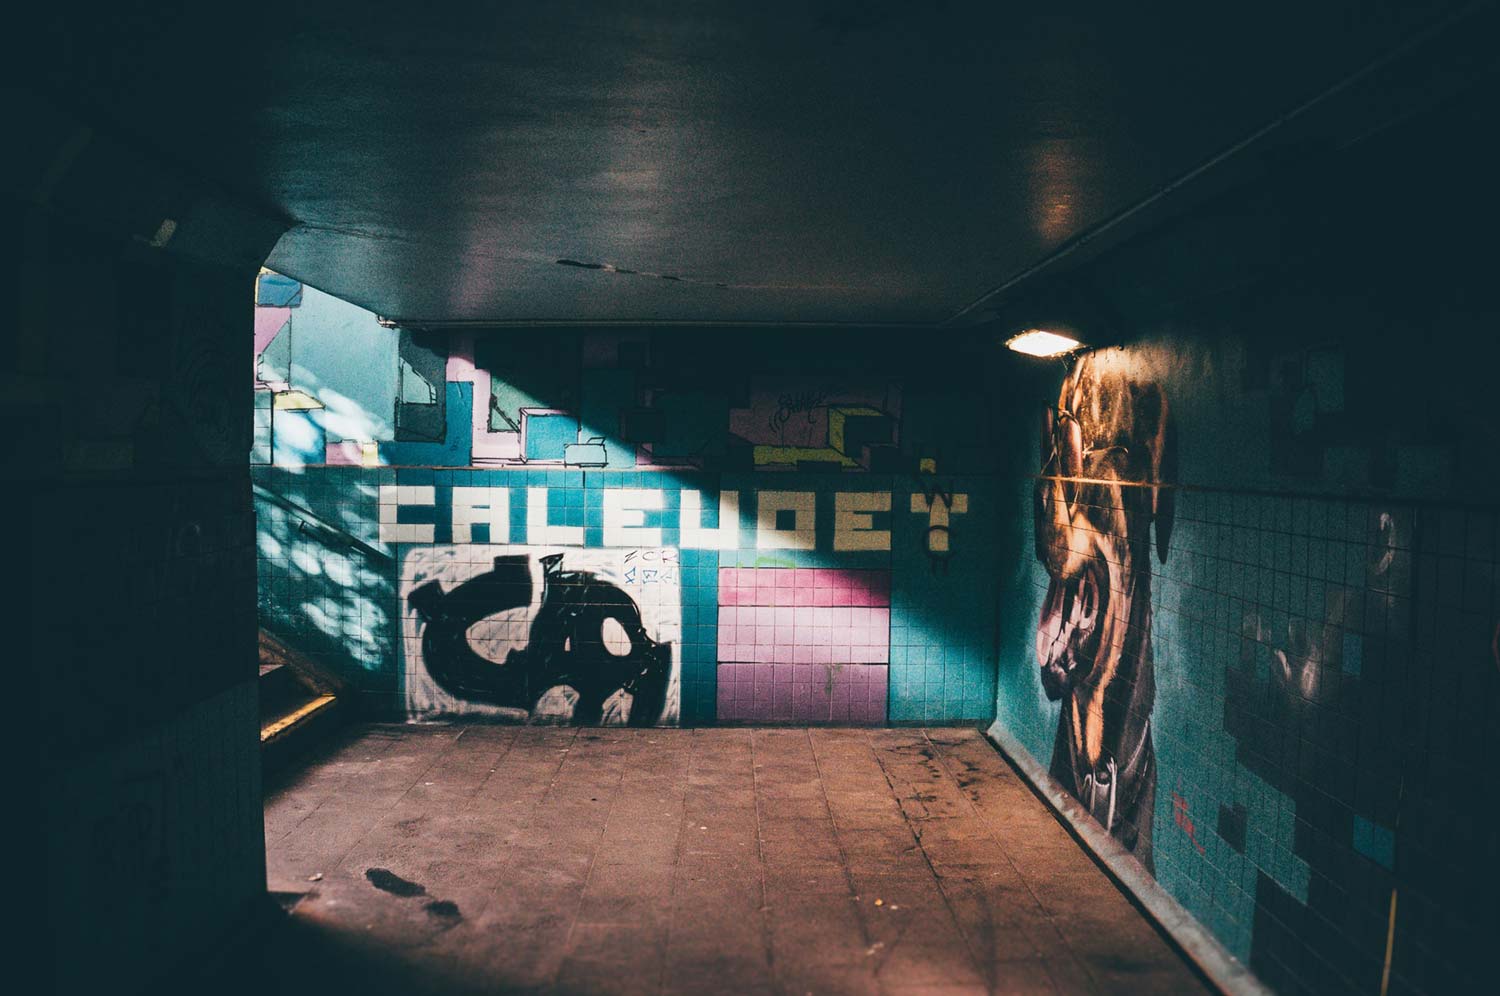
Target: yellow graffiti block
(775, 456)
(297, 401)
(839, 416)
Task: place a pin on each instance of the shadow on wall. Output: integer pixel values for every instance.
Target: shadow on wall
(1374, 717)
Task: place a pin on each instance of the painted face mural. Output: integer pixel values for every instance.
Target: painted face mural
(579, 636)
(1104, 448)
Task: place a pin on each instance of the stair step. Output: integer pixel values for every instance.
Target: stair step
(302, 716)
(281, 692)
(299, 702)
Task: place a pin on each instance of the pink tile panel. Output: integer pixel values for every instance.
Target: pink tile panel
(785, 693)
(806, 586)
(804, 634)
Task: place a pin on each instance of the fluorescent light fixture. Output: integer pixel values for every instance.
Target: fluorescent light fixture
(1036, 342)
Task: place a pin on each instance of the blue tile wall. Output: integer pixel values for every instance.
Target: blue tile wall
(944, 604)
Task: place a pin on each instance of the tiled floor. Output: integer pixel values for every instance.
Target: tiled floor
(501, 859)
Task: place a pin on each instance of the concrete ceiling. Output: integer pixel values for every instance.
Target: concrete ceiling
(703, 160)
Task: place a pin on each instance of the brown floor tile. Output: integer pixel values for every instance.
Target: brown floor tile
(525, 859)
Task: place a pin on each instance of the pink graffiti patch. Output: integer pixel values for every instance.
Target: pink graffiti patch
(1183, 820)
(343, 454)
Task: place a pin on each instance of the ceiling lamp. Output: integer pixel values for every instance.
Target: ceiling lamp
(1036, 342)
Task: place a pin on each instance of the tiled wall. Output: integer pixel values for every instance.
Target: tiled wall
(163, 833)
(131, 658)
(800, 531)
(774, 621)
(1297, 688)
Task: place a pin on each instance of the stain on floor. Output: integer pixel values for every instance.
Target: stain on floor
(386, 881)
(447, 909)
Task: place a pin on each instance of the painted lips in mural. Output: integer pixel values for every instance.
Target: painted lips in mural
(1105, 447)
(587, 635)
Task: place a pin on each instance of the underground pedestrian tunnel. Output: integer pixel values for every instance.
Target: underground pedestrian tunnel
(785, 498)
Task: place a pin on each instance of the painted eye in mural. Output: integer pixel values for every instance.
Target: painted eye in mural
(1085, 607)
(1117, 449)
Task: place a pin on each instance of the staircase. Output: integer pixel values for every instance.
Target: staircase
(298, 704)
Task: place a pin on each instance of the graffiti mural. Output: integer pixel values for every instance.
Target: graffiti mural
(939, 505)
(803, 422)
(443, 517)
(1104, 447)
(600, 399)
(579, 636)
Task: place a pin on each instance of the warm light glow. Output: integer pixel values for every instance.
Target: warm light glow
(1035, 342)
